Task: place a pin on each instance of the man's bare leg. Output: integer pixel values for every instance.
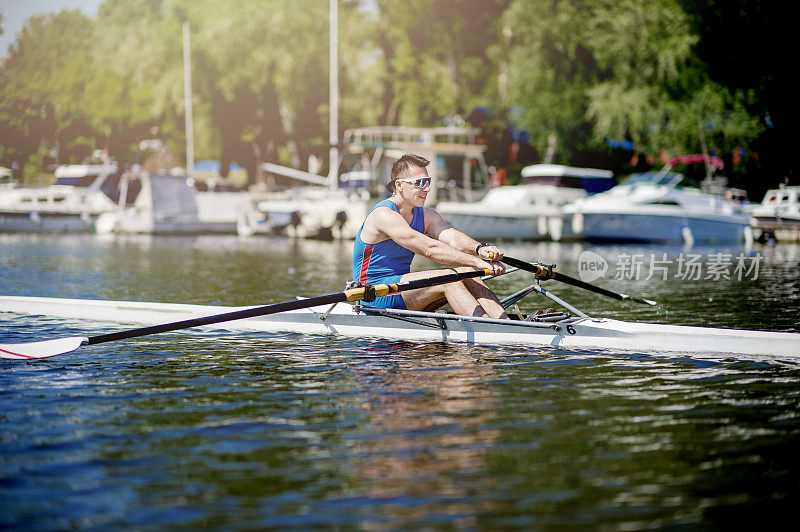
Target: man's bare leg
(486, 298)
(468, 299)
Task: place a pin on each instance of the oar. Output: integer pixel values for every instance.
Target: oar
(543, 272)
(49, 348)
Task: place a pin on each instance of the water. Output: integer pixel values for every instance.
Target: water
(227, 431)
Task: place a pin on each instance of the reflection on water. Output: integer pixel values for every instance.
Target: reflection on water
(249, 431)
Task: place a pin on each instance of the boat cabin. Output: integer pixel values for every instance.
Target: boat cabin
(458, 168)
(782, 197)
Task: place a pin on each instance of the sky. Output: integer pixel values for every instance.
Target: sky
(15, 12)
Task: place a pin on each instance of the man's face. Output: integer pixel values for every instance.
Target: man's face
(412, 190)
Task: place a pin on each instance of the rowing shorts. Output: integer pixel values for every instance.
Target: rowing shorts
(392, 300)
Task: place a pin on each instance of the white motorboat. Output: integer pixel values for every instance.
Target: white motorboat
(532, 210)
(80, 194)
(778, 215)
(309, 210)
(651, 207)
(220, 203)
(151, 203)
(342, 319)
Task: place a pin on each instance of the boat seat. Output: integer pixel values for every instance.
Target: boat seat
(547, 315)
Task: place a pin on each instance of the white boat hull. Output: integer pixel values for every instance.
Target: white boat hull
(667, 228)
(71, 205)
(576, 333)
(46, 222)
(650, 207)
(497, 226)
(520, 212)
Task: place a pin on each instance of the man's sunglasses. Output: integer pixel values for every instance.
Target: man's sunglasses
(420, 182)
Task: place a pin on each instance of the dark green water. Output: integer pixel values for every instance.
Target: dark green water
(225, 431)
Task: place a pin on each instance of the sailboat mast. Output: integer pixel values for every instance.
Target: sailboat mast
(187, 99)
(333, 136)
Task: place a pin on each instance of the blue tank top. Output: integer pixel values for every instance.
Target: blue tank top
(374, 262)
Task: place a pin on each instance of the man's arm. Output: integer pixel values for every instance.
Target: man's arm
(389, 223)
(439, 229)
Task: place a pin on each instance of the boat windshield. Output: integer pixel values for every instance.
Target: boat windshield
(81, 182)
(655, 178)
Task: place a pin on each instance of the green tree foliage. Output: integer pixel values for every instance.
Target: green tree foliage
(57, 94)
(141, 43)
(550, 68)
(259, 71)
(744, 45)
(663, 73)
(586, 71)
(41, 83)
(434, 57)
(657, 92)
(264, 67)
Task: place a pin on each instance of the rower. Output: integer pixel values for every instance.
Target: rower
(401, 226)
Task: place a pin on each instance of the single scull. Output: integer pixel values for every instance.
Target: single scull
(336, 314)
(363, 322)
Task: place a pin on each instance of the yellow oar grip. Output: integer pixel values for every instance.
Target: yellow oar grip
(543, 272)
(385, 289)
(357, 294)
(380, 290)
(354, 294)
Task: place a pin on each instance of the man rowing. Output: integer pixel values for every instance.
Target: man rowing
(401, 226)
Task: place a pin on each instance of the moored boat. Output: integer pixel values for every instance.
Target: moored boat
(778, 215)
(160, 203)
(321, 209)
(651, 207)
(531, 210)
(72, 204)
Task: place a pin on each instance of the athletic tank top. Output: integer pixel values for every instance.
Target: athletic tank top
(374, 262)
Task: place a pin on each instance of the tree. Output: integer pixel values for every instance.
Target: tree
(743, 45)
(41, 83)
(657, 92)
(587, 71)
(551, 69)
(440, 67)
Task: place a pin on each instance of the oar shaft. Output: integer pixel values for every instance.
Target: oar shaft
(544, 272)
(353, 294)
(586, 286)
(219, 318)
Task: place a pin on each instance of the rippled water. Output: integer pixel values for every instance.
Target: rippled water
(210, 429)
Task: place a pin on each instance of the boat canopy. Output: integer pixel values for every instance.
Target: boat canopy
(592, 180)
(710, 161)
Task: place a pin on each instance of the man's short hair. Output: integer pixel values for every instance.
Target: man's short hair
(403, 166)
